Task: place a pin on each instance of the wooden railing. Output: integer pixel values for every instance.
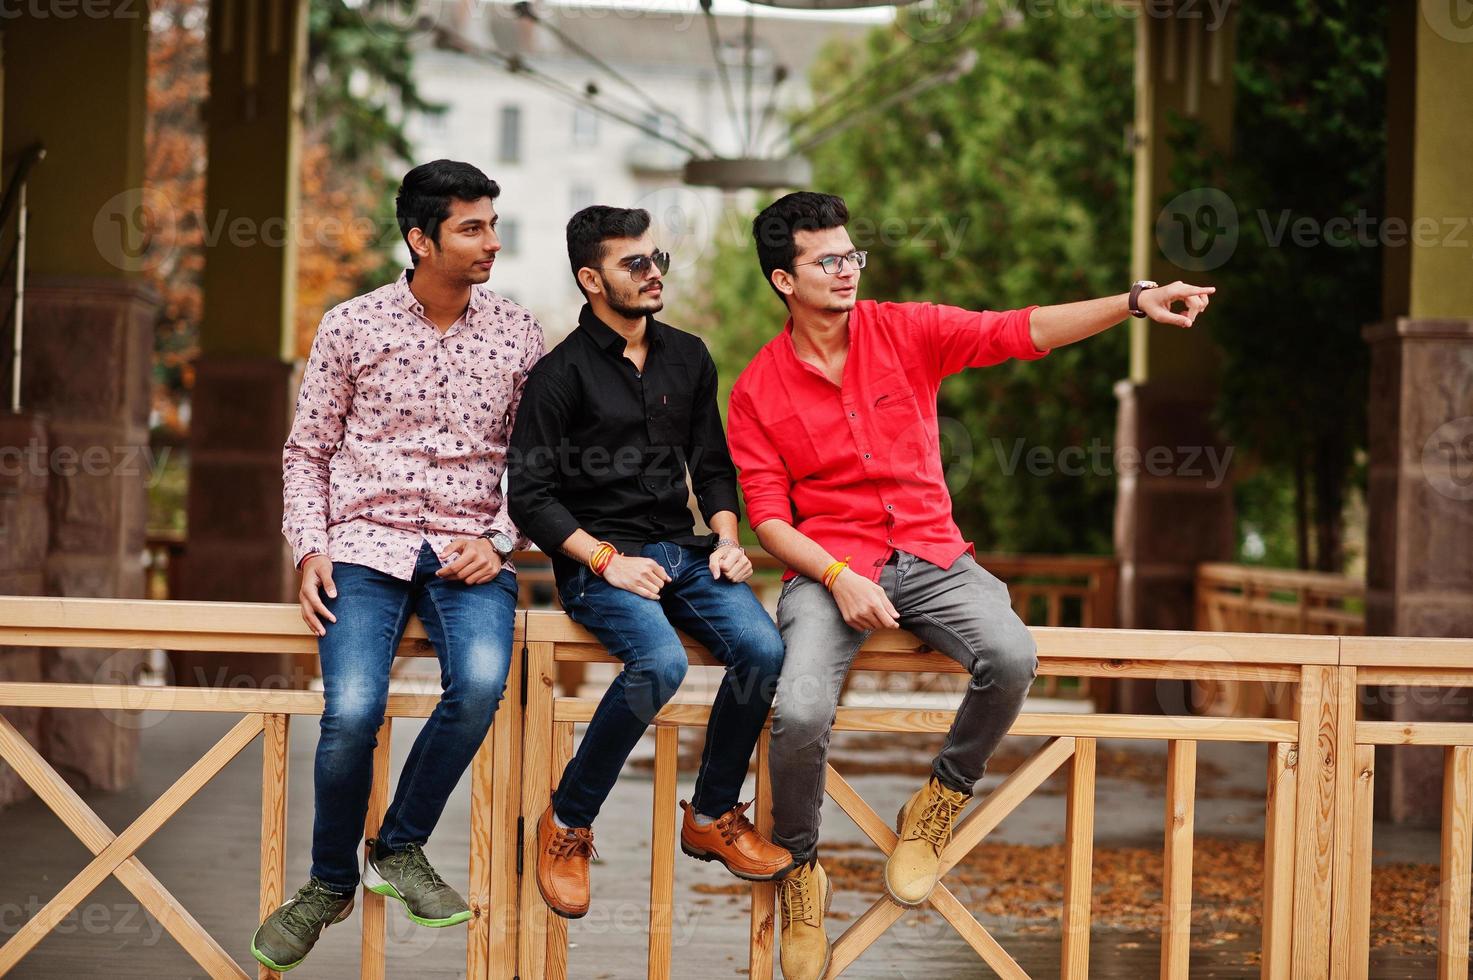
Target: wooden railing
(1316, 896)
(242, 628)
(1249, 599)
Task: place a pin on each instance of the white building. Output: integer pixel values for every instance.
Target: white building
(553, 156)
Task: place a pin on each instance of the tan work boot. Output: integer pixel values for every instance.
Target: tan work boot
(924, 825)
(731, 840)
(562, 866)
(803, 898)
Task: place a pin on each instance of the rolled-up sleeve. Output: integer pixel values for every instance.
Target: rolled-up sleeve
(961, 338)
(764, 478)
(534, 478)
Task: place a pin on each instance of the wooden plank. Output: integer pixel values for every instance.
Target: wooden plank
(274, 752)
(1413, 733)
(1202, 729)
(1414, 677)
(1314, 823)
(228, 700)
(557, 926)
(482, 926)
(1079, 842)
(1341, 899)
(88, 828)
(505, 808)
(1176, 870)
(1358, 964)
(537, 762)
(983, 943)
(764, 893)
(371, 955)
(126, 844)
(1457, 863)
(1278, 860)
(859, 811)
(662, 851)
(1412, 652)
(1087, 644)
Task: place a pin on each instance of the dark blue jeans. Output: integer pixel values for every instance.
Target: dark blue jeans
(723, 616)
(470, 627)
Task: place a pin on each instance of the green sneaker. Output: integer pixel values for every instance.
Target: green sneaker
(408, 877)
(289, 933)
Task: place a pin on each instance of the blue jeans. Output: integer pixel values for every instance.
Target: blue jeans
(470, 627)
(721, 615)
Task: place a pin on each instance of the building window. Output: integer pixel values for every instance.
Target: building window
(511, 134)
(580, 196)
(585, 126)
(510, 235)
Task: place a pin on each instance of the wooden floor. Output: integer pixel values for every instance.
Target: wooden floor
(208, 857)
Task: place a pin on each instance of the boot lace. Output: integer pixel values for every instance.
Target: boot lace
(734, 823)
(572, 842)
(795, 893)
(936, 820)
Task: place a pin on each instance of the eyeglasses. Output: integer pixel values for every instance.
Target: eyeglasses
(641, 266)
(834, 264)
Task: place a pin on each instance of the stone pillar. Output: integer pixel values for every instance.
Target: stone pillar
(243, 393)
(1419, 556)
(1170, 517)
(23, 537)
(88, 341)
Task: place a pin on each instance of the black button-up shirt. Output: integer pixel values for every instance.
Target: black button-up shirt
(602, 446)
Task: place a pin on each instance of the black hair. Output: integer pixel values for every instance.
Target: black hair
(424, 197)
(594, 225)
(774, 229)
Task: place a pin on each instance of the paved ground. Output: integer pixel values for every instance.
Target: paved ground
(207, 856)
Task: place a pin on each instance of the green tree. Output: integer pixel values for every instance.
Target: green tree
(1007, 188)
(1309, 142)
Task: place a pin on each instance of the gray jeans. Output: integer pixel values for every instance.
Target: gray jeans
(963, 612)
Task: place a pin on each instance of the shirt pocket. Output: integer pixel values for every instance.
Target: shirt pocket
(901, 438)
(669, 419)
(796, 445)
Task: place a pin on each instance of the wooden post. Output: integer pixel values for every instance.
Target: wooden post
(1176, 869)
(273, 820)
(1079, 840)
(372, 954)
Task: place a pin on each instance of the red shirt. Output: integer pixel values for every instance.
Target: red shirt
(857, 467)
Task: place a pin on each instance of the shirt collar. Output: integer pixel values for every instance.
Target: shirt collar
(405, 297)
(610, 339)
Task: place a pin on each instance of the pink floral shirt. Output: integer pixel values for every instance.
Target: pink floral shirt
(401, 432)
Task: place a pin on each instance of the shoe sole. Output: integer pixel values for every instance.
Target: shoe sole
(265, 960)
(899, 823)
(381, 887)
(708, 856)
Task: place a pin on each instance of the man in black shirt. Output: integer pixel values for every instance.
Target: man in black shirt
(609, 423)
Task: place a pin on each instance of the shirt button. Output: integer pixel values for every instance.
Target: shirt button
(889, 506)
(852, 415)
(866, 455)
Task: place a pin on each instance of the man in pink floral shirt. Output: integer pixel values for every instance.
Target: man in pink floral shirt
(393, 505)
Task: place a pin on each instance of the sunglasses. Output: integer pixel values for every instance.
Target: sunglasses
(641, 267)
(834, 264)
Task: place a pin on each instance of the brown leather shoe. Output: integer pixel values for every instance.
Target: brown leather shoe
(562, 866)
(732, 840)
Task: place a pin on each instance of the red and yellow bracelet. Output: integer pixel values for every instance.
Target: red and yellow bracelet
(599, 558)
(831, 574)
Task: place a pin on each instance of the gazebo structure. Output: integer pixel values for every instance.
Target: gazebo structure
(76, 86)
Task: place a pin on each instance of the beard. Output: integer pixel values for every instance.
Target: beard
(632, 304)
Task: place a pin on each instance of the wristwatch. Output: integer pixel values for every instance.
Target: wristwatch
(1135, 295)
(726, 543)
(503, 544)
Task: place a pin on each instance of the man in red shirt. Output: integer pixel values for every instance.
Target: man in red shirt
(833, 428)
